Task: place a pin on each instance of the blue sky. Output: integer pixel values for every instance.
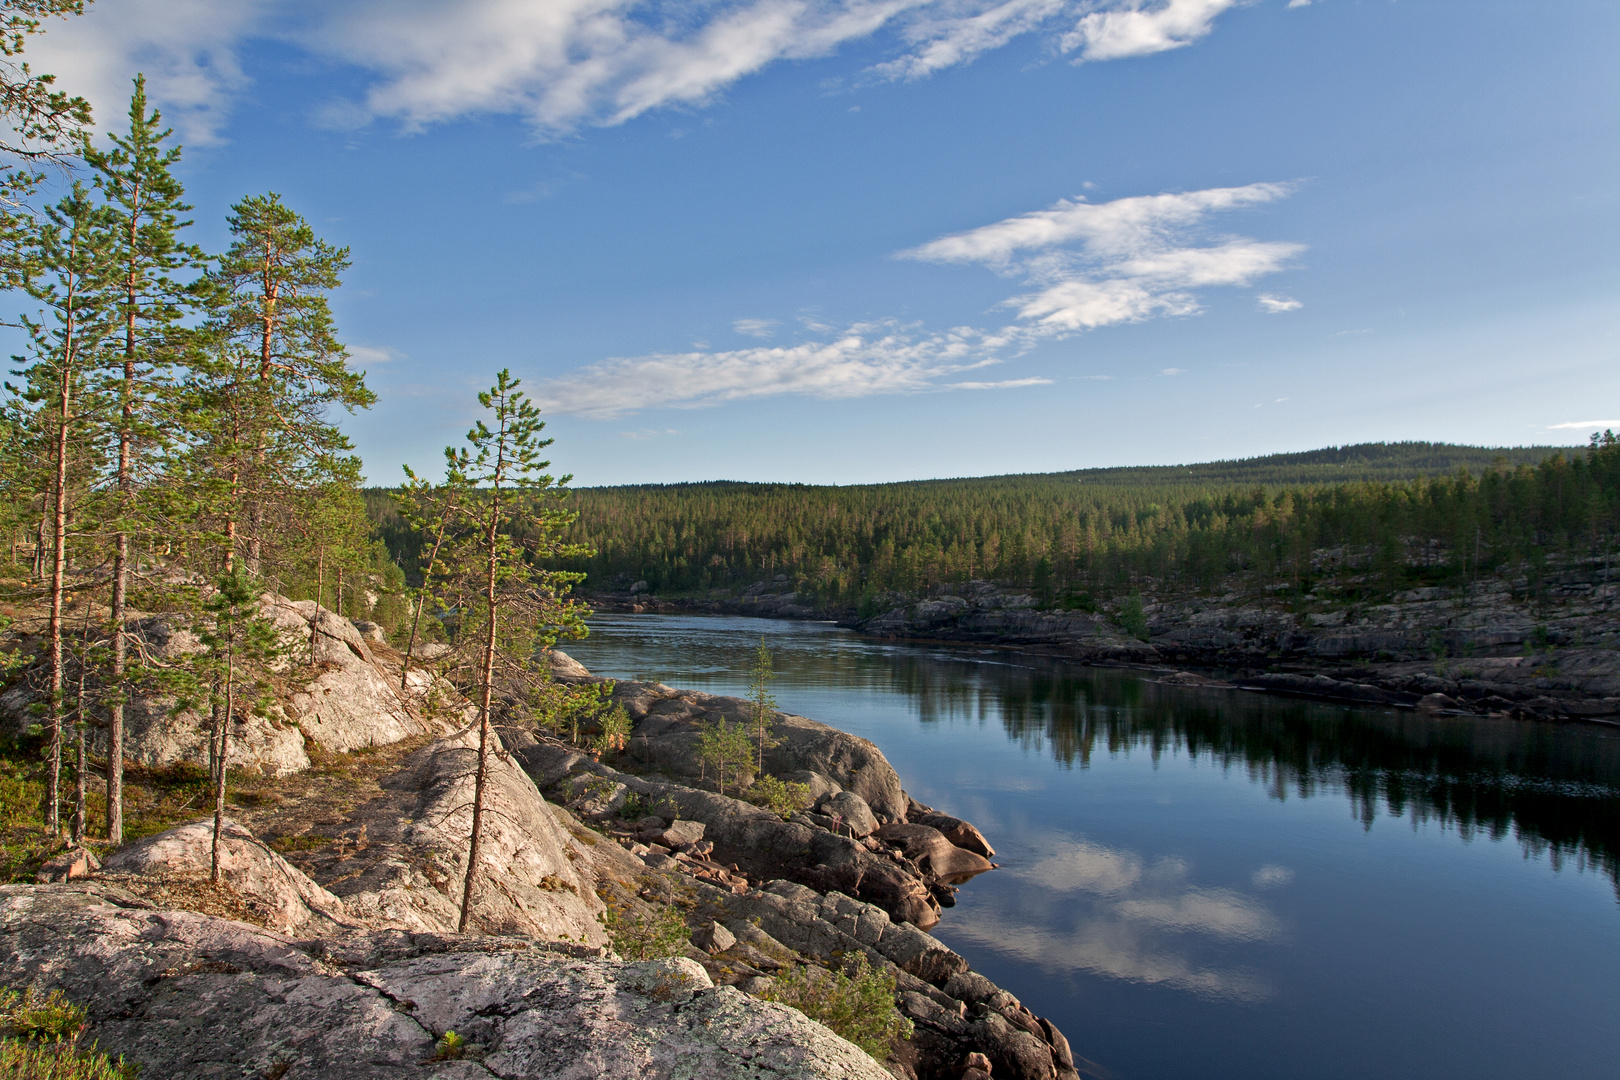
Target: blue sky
(855, 240)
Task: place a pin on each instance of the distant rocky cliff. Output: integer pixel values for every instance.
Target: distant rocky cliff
(1544, 644)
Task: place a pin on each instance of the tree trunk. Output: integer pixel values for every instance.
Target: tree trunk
(486, 690)
(222, 740)
(320, 587)
(53, 779)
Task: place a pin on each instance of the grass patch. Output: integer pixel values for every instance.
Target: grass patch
(39, 1040)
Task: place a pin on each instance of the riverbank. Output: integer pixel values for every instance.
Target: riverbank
(628, 887)
(1542, 646)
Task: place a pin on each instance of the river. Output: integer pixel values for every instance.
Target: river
(1201, 883)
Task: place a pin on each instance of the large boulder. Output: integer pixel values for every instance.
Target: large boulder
(189, 995)
(290, 900)
(353, 701)
(406, 861)
(668, 723)
(936, 856)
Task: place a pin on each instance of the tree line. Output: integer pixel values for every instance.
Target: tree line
(1076, 540)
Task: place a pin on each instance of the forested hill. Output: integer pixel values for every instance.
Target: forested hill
(1406, 511)
(1331, 465)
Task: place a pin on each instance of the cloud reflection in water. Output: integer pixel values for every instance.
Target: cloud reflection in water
(1112, 913)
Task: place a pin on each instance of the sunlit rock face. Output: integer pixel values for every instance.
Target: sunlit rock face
(184, 994)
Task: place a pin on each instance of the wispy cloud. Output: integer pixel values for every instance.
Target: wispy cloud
(1578, 425)
(647, 434)
(760, 328)
(945, 38)
(870, 358)
(366, 354)
(1134, 258)
(1092, 265)
(564, 64)
(1274, 304)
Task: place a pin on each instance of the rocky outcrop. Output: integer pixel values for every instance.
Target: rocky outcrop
(343, 697)
(189, 995)
(289, 900)
(667, 724)
(403, 857)
(980, 611)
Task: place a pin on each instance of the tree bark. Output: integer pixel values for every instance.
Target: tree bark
(486, 690)
(53, 779)
(222, 740)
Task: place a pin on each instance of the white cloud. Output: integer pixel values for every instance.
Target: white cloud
(760, 328)
(1173, 371)
(1123, 227)
(1094, 265)
(1299, 3)
(1271, 876)
(1274, 304)
(872, 358)
(1576, 425)
(947, 40)
(186, 48)
(1140, 28)
(366, 354)
(1004, 384)
(1098, 264)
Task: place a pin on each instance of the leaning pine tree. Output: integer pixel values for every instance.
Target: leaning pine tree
(510, 605)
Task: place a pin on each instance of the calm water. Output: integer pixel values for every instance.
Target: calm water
(1202, 883)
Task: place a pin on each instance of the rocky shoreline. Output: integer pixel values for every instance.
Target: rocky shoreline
(329, 949)
(1543, 648)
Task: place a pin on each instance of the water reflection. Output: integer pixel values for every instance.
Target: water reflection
(1112, 913)
(1554, 788)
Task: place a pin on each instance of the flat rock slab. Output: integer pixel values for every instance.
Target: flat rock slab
(188, 995)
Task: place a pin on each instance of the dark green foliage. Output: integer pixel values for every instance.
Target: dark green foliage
(1080, 539)
(858, 1006)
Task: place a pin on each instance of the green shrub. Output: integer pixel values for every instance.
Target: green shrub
(859, 1005)
(1132, 617)
(449, 1047)
(783, 797)
(646, 937)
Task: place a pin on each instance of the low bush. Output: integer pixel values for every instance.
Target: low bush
(646, 937)
(783, 797)
(859, 1005)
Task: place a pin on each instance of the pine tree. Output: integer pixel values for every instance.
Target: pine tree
(761, 702)
(65, 346)
(512, 605)
(241, 643)
(275, 368)
(144, 204)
